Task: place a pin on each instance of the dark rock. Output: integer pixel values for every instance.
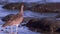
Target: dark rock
(37, 23)
(57, 16)
(33, 23)
(48, 7)
(57, 24)
(16, 5)
(58, 30)
(48, 23)
(45, 24)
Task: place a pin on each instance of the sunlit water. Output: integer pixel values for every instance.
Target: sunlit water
(22, 29)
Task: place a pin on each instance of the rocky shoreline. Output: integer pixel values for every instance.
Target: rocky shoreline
(48, 7)
(15, 5)
(45, 24)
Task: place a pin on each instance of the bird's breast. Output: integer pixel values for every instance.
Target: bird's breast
(17, 21)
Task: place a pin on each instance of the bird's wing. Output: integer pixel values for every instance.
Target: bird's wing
(8, 22)
(8, 17)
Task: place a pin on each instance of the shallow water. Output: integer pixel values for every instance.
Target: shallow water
(27, 13)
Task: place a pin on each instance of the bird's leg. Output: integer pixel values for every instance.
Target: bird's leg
(11, 29)
(16, 29)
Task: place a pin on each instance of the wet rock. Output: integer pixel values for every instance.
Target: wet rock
(45, 24)
(48, 7)
(37, 24)
(33, 23)
(16, 6)
(37, 8)
(57, 25)
(57, 16)
(48, 24)
(58, 30)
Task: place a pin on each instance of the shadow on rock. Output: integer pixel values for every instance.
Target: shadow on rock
(44, 24)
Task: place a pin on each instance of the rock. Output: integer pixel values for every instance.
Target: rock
(33, 23)
(48, 23)
(57, 16)
(45, 24)
(58, 30)
(37, 8)
(57, 25)
(38, 24)
(16, 5)
(48, 7)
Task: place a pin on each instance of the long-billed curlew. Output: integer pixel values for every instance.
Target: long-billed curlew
(15, 20)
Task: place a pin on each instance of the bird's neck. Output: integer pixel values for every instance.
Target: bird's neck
(21, 11)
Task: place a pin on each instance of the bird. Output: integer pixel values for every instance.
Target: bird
(15, 20)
